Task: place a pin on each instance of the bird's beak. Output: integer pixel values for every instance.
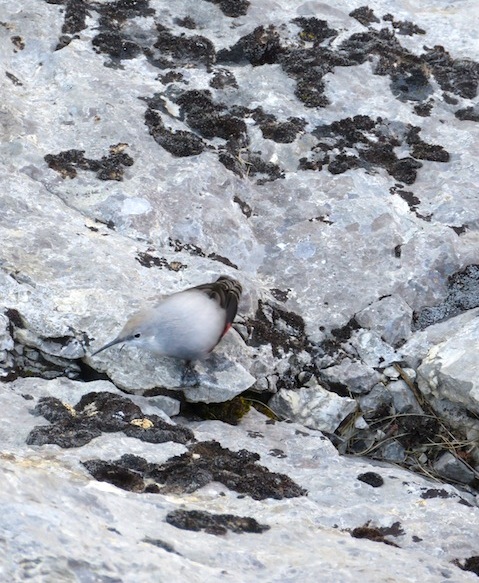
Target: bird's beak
(112, 343)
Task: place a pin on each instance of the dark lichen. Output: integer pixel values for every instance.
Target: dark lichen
(111, 167)
(371, 478)
(98, 413)
(217, 524)
(230, 412)
(203, 463)
(378, 534)
(462, 295)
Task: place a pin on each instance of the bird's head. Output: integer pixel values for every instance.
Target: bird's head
(136, 332)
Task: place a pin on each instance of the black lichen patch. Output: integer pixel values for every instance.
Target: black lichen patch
(98, 413)
(205, 462)
(116, 474)
(460, 230)
(343, 334)
(111, 167)
(221, 259)
(433, 153)
(429, 493)
(161, 544)
(279, 294)
(76, 12)
(307, 66)
(404, 27)
(409, 73)
(458, 76)
(413, 203)
(116, 46)
(364, 15)
(119, 11)
(232, 8)
(111, 38)
(411, 199)
(362, 142)
(197, 251)
(186, 22)
(378, 534)
(283, 330)
(179, 143)
(112, 15)
(223, 78)
(283, 132)
(244, 206)
(16, 320)
(209, 119)
(371, 478)
(245, 163)
(314, 30)
(13, 79)
(468, 114)
(423, 109)
(260, 47)
(171, 77)
(148, 260)
(469, 564)
(176, 51)
(190, 248)
(18, 43)
(436, 493)
(218, 524)
(463, 294)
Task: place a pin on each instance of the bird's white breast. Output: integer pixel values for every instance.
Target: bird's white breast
(186, 325)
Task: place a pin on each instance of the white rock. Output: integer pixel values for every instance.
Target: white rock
(451, 369)
(64, 535)
(371, 349)
(390, 317)
(314, 407)
(403, 398)
(357, 377)
(417, 347)
(452, 468)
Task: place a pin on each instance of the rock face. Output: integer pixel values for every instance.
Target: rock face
(215, 502)
(314, 407)
(324, 157)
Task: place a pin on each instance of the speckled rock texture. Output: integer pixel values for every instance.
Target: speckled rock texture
(323, 154)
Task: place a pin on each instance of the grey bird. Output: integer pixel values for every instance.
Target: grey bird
(186, 325)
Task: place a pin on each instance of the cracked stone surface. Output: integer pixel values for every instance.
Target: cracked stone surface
(325, 156)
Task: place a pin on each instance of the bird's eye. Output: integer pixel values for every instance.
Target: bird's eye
(137, 335)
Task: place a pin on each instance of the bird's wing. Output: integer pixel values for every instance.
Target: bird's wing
(226, 292)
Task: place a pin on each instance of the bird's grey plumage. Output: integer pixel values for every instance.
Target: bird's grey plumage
(187, 324)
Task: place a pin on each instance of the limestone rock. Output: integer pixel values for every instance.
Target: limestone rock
(451, 369)
(390, 317)
(130, 530)
(453, 468)
(313, 406)
(354, 375)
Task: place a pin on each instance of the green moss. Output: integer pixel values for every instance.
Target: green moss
(229, 412)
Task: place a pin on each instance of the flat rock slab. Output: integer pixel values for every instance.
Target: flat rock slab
(349, 516)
